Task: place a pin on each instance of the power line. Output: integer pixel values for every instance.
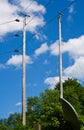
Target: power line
(8, 52)
(28, 6)
(54, 18)
(35, 15)
(7, 22)
(17, 19)
(41, 10)
(71, 3)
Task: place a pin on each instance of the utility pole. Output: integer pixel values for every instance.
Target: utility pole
(24, 73)
(60, 55)
(23, 69)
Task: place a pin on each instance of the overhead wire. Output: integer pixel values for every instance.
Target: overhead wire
(17, 19)
(10, 21)
(7, 52)
(71, 3)
(28, 6)
(33, 35)
(50, 19)
(29, 21)
(7, 22)
(11, 50)
(63, 10)
(41, 10)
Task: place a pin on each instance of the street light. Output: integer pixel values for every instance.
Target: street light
(70, 113)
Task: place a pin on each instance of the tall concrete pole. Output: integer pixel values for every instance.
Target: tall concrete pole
(60, 55)
(24, 74)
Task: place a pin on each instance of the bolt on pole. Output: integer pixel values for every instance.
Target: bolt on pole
(60, 55)
(24, 74)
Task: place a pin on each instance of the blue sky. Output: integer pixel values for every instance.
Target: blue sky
(42, 60)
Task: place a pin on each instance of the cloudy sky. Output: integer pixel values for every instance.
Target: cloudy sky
(42, 47)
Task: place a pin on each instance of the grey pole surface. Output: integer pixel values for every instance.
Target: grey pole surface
(60, 55)
(70, 113)
(24, 74)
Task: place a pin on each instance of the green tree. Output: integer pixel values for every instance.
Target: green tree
(46, 109)
(33, 111)
(74, 93)
(13, 120)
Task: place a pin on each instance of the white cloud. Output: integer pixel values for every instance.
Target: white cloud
(40, 36)
(75, 47)
(33, 6)
(34, 22)
(16, 60)
(11, 11)
(52, 81)
(18, 104)
(71, 9)
(43, 49)
(8, 13)
(54, 48)
(76, 70)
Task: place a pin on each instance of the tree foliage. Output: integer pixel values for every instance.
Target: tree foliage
(47, 110)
